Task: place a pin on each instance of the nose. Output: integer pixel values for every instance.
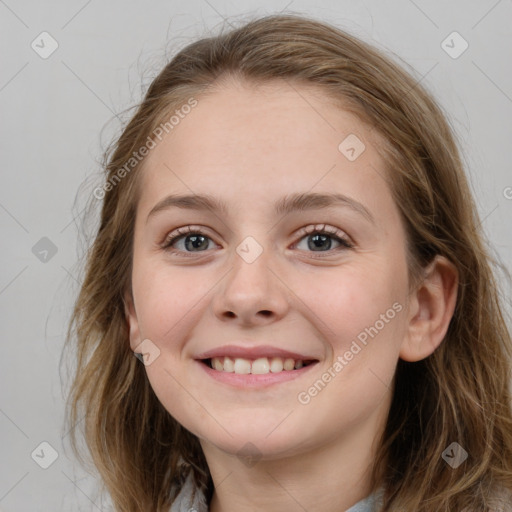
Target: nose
(253, 294)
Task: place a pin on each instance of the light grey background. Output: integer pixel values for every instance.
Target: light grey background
(58, 114)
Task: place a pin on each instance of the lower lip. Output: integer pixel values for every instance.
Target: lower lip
(250, 380)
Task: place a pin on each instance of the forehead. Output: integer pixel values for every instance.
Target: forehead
(263, 140)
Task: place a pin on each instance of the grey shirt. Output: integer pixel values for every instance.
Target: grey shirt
(190, 499)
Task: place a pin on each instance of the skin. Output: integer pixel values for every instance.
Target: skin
(250, 146)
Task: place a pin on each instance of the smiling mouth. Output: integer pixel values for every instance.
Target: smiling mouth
(258, 366)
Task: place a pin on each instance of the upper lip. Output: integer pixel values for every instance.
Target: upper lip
(235, 351)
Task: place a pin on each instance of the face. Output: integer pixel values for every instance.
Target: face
(267, 279)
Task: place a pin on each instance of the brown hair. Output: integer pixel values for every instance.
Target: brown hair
(459, 393)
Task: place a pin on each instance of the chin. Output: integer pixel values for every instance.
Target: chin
(255, 440)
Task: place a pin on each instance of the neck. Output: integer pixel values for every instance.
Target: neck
(331, 477)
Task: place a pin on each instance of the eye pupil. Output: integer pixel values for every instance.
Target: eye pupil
(318, 241)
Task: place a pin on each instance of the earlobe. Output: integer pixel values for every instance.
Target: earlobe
(431, 310)
(131, 318)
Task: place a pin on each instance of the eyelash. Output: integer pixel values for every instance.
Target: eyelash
(331, 231)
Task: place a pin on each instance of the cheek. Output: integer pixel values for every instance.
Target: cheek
(353, 299)
(364, 314)
(361, 313)
(165, 297)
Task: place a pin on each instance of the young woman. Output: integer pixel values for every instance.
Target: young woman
(289, 246)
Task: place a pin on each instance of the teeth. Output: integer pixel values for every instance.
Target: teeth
(242, 365)
(289, 364)
(257, 367)
(276, 365)
(229, 365)
(260, 366)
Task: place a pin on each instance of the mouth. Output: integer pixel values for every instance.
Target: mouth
(245, 374)
(259, 366)
(254, 367)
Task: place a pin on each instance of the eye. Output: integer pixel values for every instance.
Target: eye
(319, 238)
(193, 238)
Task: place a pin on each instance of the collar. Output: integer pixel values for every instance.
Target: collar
(191, 499)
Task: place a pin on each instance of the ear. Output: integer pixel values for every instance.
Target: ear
(430, 309)
(131, 318)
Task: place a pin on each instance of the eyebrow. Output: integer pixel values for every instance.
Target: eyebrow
(286, 205)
